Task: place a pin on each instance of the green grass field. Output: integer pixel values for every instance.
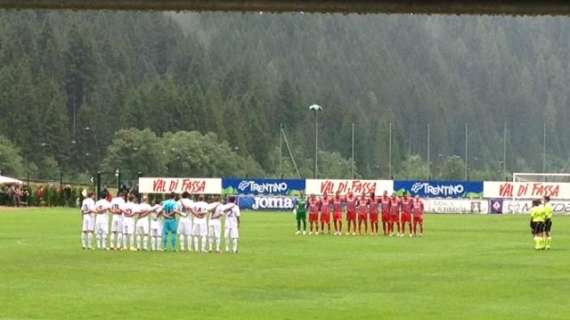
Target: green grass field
(468, 267)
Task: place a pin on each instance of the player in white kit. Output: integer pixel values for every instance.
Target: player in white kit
(232, 224)
(143, 224)
(155, 227)
(185, 222)
(215, 224)
(200, 225)
(87, 211)
(129, 211)
(117, 221)
(102, 207)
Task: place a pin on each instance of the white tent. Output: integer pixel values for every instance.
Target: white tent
(8, 180)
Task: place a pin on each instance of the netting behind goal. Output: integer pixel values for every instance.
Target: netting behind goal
(541, 177)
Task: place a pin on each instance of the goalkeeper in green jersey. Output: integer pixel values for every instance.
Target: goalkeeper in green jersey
(301, 214)
(537, 224)
(548, 210)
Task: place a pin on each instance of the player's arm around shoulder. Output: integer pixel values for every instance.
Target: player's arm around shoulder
(228, 207)
(144, 212)
(236, 212)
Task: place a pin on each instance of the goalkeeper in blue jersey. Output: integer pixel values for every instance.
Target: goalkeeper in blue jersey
(170, 224)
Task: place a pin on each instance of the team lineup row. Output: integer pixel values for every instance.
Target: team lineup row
(198, 224)
(359, 211)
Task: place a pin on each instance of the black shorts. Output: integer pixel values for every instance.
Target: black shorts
(532, 226)
(538, 227)
(547, 225)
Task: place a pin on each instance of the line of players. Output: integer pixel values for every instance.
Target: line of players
(396, 214)
(134, 222)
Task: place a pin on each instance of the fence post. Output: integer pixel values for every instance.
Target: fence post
(98, 179)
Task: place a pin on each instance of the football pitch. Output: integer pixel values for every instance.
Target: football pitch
(466, 266)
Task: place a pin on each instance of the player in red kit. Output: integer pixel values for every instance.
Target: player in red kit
(385, 204)
(314, 207)
(418, 211)
(337, 215)
(395, 206)
(362, 214)
(406, 216)
(373, 213)
(351, 213)
(326, 204)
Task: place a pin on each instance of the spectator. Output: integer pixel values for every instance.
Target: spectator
(12, 194)
(25, 195)
(40, 194)
(124, 189)
(18, 197)
(105, 193)
(67, 198)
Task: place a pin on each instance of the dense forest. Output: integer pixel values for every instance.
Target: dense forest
(79, 88)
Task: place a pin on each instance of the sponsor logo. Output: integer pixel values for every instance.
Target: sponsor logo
(525, 206)
(529, 189)
(457, 206)
(174, 185)
(497, 206)
(254, 187)
(437, 190)
(280, 203)
(343, 187)
(179, 185)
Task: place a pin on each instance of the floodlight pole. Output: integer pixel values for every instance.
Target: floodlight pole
(429, 151)
(98, 184)
(544, 147)
(316, 108)
(505, 150)
(466, 151)
(352, 157)
(118, 177)
(390, 150)
(281, 150)
(316, 169)
(286, 141)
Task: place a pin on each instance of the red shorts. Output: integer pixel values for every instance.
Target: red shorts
(351, 215)
(338, 216)
(385, 217)
(394, 218)
(326, 217)
(419, 219)
(406, 217)
(313, 217)
(373, 217)
(362, 216)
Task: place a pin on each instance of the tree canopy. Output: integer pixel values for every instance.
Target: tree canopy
(72, 81)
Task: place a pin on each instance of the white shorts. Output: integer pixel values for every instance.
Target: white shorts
(128, 225)
(185, 226)
(215, 228)
(117, 223)
(142, 226)
(88, 223)
(156, 228)
(102, 224)
(200, 228)
(231, 231)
